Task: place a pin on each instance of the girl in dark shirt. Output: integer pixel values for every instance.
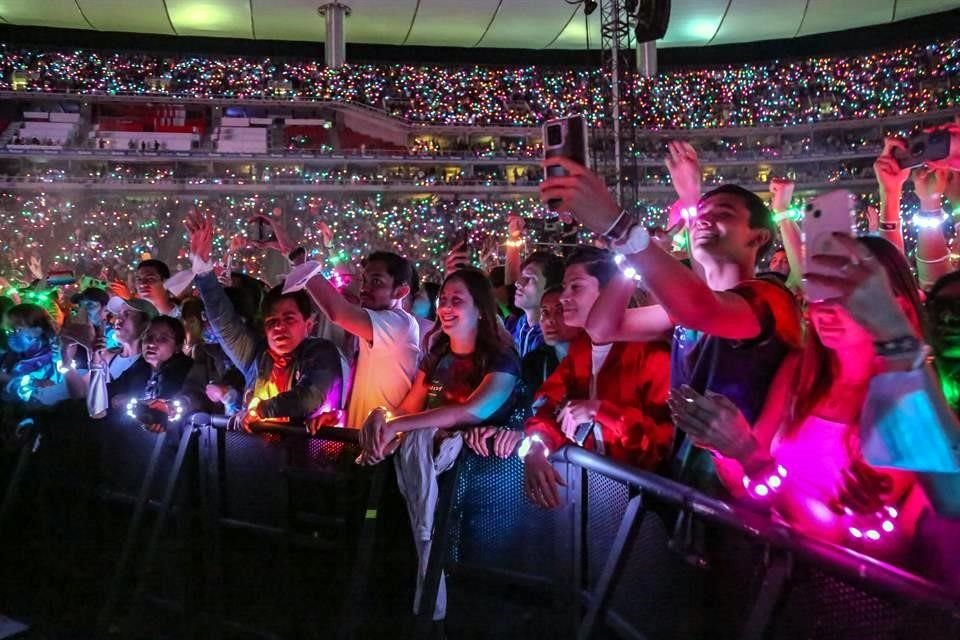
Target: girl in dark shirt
(469, 378)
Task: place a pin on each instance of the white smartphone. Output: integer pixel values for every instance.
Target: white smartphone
(823, 217)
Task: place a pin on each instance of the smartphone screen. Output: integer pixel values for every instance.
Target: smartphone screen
(825, 216)
(564, 137)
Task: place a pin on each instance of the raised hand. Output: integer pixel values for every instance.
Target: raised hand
(200, 230)
(684, 168)
(781, 192)
(581, 193)
(889, 174)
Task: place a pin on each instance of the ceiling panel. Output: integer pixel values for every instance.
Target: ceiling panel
(289, 20)
(830, 15)
(219, 18)
(43, 13)
(913, 8)
(693, 22)
(111, 15)
(574, 36)
(452, 23)
(529, 22)
(462, 23)
(380, 21)
(749, 20)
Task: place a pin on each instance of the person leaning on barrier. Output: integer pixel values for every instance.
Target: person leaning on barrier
(288, 375)
(731, 330)
(607, 397)
(470, 377)
(149, 387)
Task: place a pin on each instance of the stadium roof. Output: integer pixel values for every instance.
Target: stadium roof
(514, 24)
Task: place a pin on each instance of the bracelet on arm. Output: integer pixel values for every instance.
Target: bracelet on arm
(889, 225)
(763, 485)
(618, 228)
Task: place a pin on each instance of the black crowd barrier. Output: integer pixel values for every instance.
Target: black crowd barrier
(280, 534)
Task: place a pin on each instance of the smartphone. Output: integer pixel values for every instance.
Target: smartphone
(923, 148)
(823, 217)
(259, 230)
(565, 137)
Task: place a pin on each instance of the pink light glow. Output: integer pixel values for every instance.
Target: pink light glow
(762, 490)
(856, 533)
(887, 526)
(873, 534)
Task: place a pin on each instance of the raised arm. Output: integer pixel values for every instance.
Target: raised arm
(781, 190)
(683, 295)
(350, 317)
(611, 321)
(237, 339)
(891, 177)
(933, 254)
(514, 249)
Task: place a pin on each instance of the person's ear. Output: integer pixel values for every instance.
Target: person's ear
(401, 292)
(760, 237)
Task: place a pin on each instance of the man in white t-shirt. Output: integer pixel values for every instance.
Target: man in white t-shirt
(389, 336)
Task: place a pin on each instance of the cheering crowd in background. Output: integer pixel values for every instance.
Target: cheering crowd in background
(680, 339)
(689, 359)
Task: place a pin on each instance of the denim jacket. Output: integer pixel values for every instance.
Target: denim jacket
(316, 380)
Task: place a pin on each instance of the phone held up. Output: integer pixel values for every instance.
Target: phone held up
(823, 217)
(567, 138)
(923, 148)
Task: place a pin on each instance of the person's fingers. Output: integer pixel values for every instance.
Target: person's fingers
(572, 167)
(853, 246)
(551, 495)
(702, 406)
(890, 143)
(843, 286)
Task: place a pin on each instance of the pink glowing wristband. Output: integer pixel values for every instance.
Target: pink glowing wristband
(766, 484)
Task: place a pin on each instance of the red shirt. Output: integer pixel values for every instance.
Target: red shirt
(632, 388)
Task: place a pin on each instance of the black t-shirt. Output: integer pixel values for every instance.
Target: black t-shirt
(451, 378)
(741, 370)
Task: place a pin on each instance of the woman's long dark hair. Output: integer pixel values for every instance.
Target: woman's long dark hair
(491, 338)
(815, 375)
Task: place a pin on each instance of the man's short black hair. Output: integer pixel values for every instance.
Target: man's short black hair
(159, 265)
(399, 268)
(276, 294)
(599, 263)
(760, 217)
(551, 265)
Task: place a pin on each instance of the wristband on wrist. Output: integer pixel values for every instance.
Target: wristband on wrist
(620, 226)
(635, 240)
(524, 450)
(890, 225)
(763, 485)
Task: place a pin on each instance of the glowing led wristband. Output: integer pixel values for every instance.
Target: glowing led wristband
(873, 527)
(767, 485)
(929, 221)
(627, 270)
(527, 444)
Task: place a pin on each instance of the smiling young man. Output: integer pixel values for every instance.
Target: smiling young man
(289, 373)
(731, 331)
(389, 336)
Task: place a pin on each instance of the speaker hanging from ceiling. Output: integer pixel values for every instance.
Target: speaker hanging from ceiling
(653, 16)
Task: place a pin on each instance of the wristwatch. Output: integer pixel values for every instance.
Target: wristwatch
(635, 239)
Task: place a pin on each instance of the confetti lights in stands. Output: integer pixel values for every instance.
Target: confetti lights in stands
(911, 79)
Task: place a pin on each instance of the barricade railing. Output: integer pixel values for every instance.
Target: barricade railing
(203, 462)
